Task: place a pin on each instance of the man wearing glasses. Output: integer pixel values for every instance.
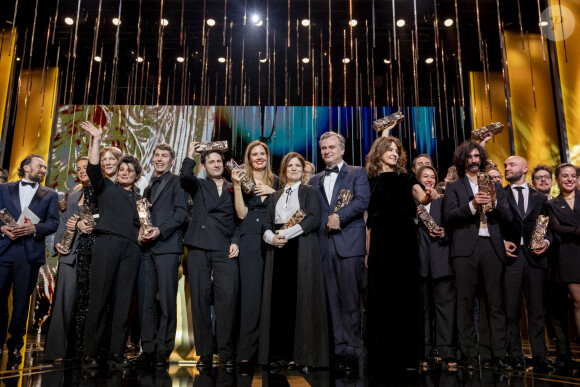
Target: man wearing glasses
(542, 179)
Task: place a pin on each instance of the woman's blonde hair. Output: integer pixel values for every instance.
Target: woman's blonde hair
(248, 166)
(374, 163)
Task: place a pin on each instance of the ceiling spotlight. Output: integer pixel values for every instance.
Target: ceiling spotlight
(116, 21)
(263, 60)
(429, 60)
(17, 59)
(139, 59)
(401, 23)
(346, 60)
(352, 23)
(543, 23)
(305, 22)
(387, 61)
(221, 59)
(258, 24)
(448, 22)
(164, 22)
(255, 18)
(305, 60)
(69, 21)
(97, 58)
(180, 59)
(210, 22)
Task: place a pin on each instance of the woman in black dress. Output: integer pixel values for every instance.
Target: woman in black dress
(294, 319)
(564, 212)
(393, 262)
(252, 210)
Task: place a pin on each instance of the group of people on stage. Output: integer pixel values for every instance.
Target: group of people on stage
(280, 275)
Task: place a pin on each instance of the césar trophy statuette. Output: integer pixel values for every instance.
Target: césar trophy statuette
(213, 146)
(144, 216)
(485, 185)
(7, 219)
(539, 232)
(344, 197)
(69, 235)
(298, 216)
(485, 131)
(427, 219)
(247, 184)
(389, 122)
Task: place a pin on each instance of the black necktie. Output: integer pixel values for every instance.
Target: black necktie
(328, 171)
(521, 200)
(25, 183)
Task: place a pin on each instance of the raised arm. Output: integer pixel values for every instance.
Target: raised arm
(94, 167)
(188, 180)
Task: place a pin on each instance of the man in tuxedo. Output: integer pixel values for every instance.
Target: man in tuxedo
(477, 251)
(22, 248)
(211, 265)
(161, 255)
(342, 237)
(526, 269)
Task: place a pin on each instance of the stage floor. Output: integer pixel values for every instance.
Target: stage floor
(35, 373)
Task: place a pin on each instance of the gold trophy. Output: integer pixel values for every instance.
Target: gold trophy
(485, 131)
(294, 219)
(213, 146)
(247, 184)
(389, 122)
(7, 219)
(144, 216)
(539, 232)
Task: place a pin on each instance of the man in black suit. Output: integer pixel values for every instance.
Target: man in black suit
(211, 263)
(526, 269)
(342, 237)
(477, 250)
(22, 248)
(161, 255)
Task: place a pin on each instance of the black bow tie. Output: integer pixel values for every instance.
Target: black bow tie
(328, 171)
(25, 183)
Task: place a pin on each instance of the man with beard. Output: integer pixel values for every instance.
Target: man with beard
(526, 269)
(22, 248)
(477, 250)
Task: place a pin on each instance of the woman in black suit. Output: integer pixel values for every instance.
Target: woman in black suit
(294, 320)
(116, 253)
(564, 212)
(437, 283)
(251, 208)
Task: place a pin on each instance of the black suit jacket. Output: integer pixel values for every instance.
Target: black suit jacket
(566, 223)
(168, 214)
(72, 208)
(434, 252)
(213, 223)
(524, 224)
(463, 226)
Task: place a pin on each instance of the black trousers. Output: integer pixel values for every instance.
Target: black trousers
(202, 265)
(158, 275)
(438, 304)
(342, 278)
(523, 279)
(114, 268)
(556, 308)
(484, 261)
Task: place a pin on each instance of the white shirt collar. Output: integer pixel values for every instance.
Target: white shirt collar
(293, 188)
(524, 186)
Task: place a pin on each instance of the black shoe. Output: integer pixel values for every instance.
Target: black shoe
(119, 361)
(228, 362)
(500, 363)
(90, 363)
(350, 364)
(161, 360)
(144, 359)
(14, 359)
(563, 361)
(338, 361)
(277, 364)
(541, 365)
(205, 361)
(519, 363)
(470, 364)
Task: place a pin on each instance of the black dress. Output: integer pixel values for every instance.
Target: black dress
(393, 315)
(251, 261)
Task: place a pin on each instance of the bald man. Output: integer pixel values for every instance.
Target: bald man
(526, 269)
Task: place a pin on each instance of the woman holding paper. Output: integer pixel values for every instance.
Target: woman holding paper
(294, 320)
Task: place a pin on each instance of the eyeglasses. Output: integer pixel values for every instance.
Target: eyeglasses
(543, 177)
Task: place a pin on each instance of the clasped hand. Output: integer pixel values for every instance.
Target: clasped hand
(19, 231)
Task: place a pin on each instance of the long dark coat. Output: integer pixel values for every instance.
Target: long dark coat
(311, 333)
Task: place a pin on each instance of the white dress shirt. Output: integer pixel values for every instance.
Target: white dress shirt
(287, 205)
(526, 194)
(329, 181)
(26, 193)
(483, 230)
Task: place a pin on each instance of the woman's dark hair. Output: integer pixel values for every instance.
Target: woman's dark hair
(420, 171)
(27, 161)
(128, 159)
(205, 154)
(562, 166)
(462, 153)
(284, 166)
(374, 163)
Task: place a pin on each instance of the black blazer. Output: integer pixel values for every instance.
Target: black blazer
(72, 208)
(524, 224)
(168, 214)
(463, 226)
(117, 206)
(434, 252)
(566, 223)
(308, 199)
(213, 223)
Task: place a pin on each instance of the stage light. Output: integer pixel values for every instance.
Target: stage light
(401, 23)
(448, 22)
(17, 59)
(116, 21)
(264, 60)
(255, 18)
(259, 24)
(346, 60)
(305, 60)
(429, 60)
(69, 21)
(352, 23)
(305, 22)
(164, 22)
(543, 23)
(221, 59)
(387, 61)
(180, 59)
(139, 59)
(97, 58)
(210, 22)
